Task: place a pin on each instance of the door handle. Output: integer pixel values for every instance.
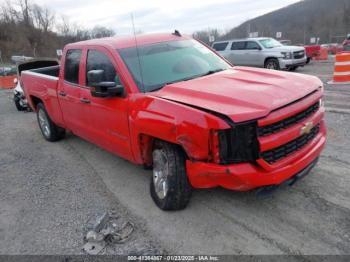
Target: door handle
(85, 100)
(61, 93)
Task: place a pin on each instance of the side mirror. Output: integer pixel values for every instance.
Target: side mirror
(99, 88)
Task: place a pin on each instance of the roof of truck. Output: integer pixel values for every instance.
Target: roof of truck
(129, 41)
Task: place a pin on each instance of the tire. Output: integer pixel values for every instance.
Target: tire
(170, 188)
(50, 131)
(272, 63)
(308, 60)
(293, 68)
(16, 99)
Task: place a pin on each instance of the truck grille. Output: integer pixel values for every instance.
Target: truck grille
(299, 54)
(278, 126)
(283, 151)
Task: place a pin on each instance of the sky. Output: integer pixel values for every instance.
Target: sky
(162, 15)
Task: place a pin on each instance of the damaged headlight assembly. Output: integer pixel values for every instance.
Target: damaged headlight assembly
(238, 144)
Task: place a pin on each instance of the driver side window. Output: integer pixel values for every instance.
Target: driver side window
(97, 60)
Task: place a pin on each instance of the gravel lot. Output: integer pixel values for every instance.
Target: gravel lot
(49, 190)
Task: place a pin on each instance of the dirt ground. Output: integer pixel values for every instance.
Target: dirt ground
(49, 190)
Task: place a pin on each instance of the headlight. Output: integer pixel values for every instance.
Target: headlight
(286, 55)
(238, 144)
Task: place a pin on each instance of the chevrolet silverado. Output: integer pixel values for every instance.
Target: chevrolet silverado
(170, 103)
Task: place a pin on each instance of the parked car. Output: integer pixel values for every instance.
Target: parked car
(7, 71)
(172, 104)
(261, 52)
(18, 93)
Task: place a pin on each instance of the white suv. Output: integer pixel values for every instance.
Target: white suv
(261, 52)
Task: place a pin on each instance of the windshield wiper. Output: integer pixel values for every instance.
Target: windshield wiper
(210, 72)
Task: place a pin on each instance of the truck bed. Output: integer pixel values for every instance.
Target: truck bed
(41, 84)
(38, 82)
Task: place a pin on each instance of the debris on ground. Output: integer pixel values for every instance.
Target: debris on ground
(105, 229)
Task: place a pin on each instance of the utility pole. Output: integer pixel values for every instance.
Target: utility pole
(304, 23)
(1, 62)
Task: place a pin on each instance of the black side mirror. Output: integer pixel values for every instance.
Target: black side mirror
(99, 88)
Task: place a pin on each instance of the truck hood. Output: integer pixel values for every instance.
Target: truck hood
(241, 93)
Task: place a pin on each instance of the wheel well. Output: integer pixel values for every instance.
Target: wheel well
(271, 57)
(146, 143)
(35, 101)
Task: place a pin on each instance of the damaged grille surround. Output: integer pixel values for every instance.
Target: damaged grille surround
(241, 144)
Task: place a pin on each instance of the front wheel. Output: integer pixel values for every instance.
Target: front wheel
(49, 129)
(170, 188)
(293, 68)
(272, 63)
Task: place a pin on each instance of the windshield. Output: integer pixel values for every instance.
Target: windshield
(270, 43)
(170, 62)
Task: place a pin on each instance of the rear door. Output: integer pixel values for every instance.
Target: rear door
(221, 47)
(107, 118)
(69, 91)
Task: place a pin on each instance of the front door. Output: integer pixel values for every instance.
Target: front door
(254, 55)
(107, 118)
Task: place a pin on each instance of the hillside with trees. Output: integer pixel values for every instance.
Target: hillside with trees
(328, 20)
(30, 30)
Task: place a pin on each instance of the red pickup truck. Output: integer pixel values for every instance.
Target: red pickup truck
(170, 103)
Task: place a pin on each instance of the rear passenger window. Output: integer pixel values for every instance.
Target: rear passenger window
(71, 66)
(97, 60)
(220, 46)
(238, 46)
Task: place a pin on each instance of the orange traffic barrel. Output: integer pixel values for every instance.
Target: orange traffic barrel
(7, 82)
(342, 68)
(322, 54)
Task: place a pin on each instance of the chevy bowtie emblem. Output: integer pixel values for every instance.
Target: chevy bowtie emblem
(306, 129)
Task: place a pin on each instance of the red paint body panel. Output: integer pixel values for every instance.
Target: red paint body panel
(187, 114)
(312, 50)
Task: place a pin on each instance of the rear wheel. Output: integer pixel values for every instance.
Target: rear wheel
(49, 130)
(272, 63)
(170, 188)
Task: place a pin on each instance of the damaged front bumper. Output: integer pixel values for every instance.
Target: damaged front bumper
(248, 176)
